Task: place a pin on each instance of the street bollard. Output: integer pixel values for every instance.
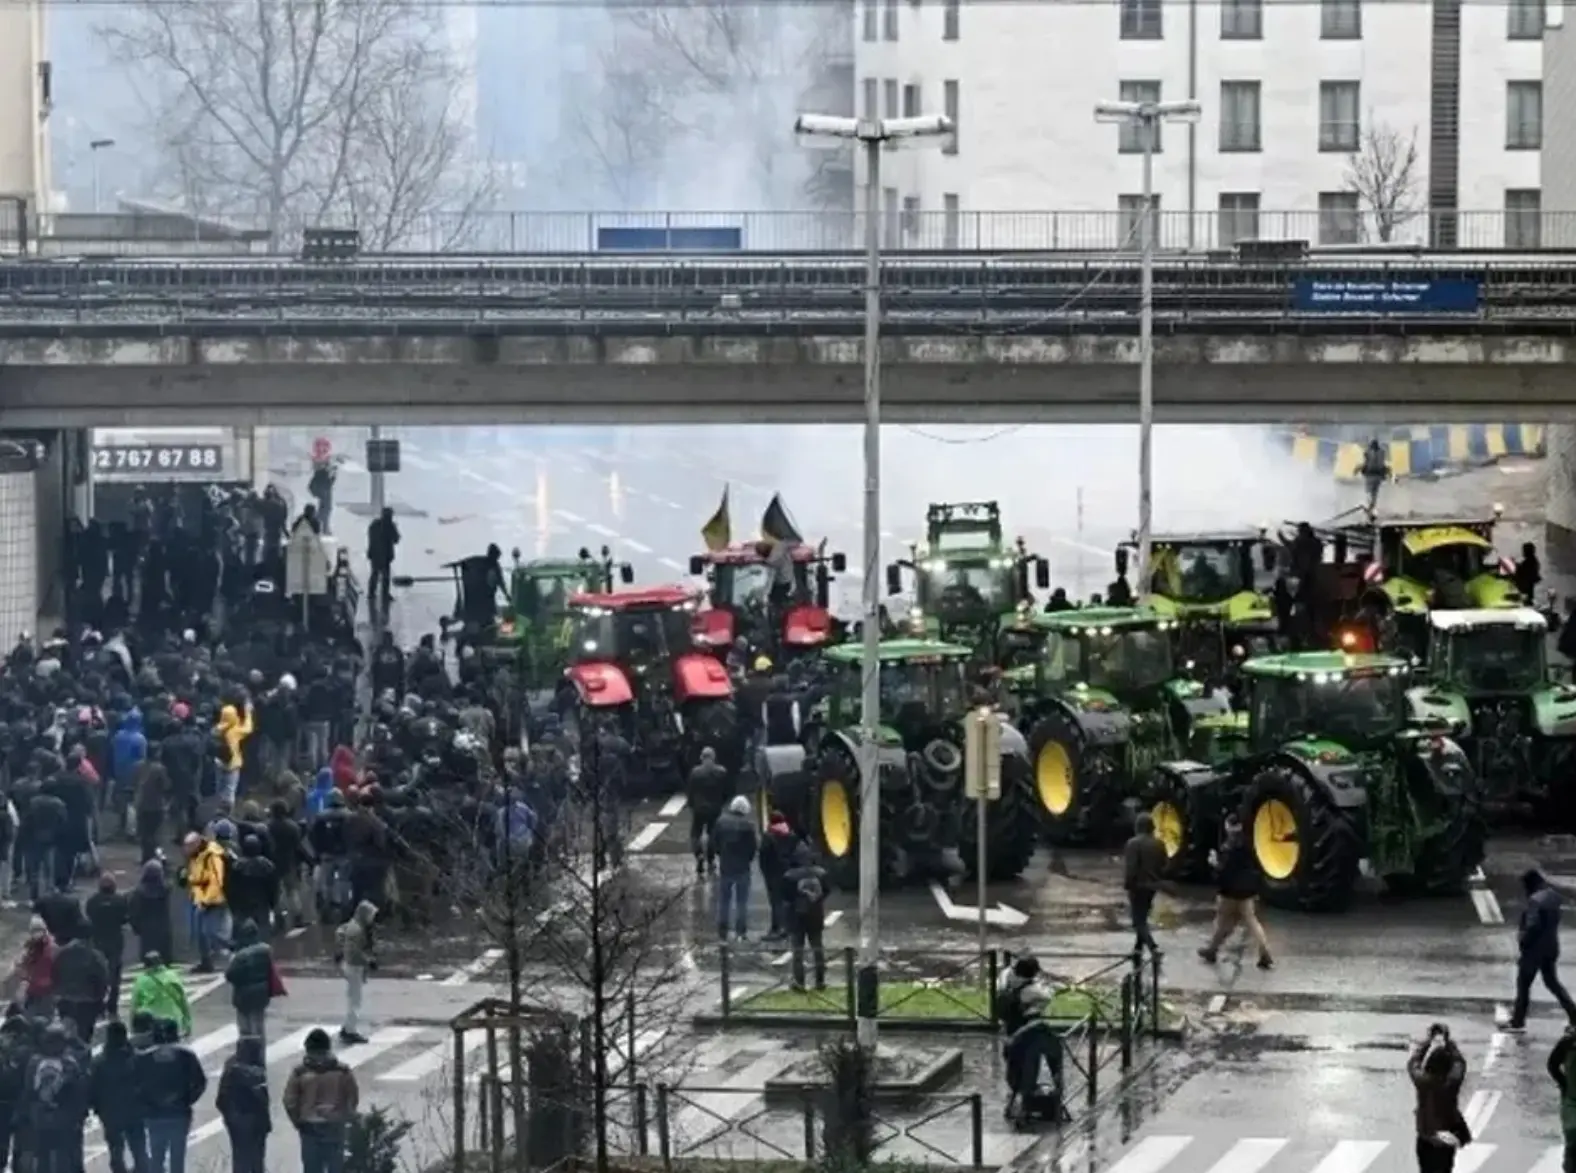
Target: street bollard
(977, 1129)
(1154, 994)
(807, 1114)
(727, 982)
(664, 1141)
(1127, 1022)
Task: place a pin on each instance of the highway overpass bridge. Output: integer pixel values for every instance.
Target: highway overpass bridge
(778, 339)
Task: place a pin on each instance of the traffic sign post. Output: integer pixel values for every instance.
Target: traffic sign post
(982, 783)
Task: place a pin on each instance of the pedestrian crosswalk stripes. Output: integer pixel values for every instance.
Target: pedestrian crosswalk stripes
(1306, 1154)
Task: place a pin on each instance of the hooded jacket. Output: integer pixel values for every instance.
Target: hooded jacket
(321, 1090)
(36, 969)
(353, 939)
(233, 729)
(206, 875)
(127, 749)
(254, 884)
(170, 1081)
(250, 970)
(243, 1090)
(735, 839)
(114, 1082)
(81, 973)
(1539, 932)
(322, 787)
(161, 993)
(342, 768)
(148, 910)
(56, 1086)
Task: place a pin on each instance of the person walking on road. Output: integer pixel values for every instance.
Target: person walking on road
(206, 874)
(353, 953)
(115, 1101)
(148, 912)
(159, 993)
(107, 915)
(1562, 1069)
(1237, 888)
(737, 842)
(170, 1081)
(708, 789)
(1143, 871)
(803, 895)
(1538, 942)
(81, 983)
(251, 977)
(321, 1098)
(1437, 1069)
(243, 1106)
(382, 541)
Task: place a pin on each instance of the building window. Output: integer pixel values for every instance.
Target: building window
(1131, 135)
(1338, 218)
(889, 20)
(889, 92)
(952, 221)
(1523, 115)
(1239, 115)
(1141, 20)
(890, 225)
(911, 219)
(1340, 20)
(1130, 220)
(1239, 217)
(870, 19)
(949, 19)
(911, 103)
(949, 107)
(1524, 218)
(1526, 20)
(1241, 20)
(872, 96)
(1339, 125)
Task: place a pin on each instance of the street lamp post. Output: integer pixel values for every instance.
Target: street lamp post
(1147, 116)
(873, 134)
(94, 147)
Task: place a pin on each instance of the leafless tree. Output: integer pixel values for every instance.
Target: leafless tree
(313, 111)
(1385, 176)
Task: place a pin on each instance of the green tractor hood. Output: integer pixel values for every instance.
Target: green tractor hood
(1320, 750)
(1486, 591)
(1240, 610)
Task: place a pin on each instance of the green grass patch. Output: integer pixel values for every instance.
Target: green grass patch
(929, 1002)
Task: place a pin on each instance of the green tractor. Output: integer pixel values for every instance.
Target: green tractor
(1487, 682)
(928, 827)
(1329, 777)
(1219, 588)
(1103, 702)
(968, 581)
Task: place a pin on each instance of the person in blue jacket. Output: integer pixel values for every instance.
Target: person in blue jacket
(322, 787)
(127, 749)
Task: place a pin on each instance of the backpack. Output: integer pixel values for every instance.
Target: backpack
(47, 1093)
(808, 894)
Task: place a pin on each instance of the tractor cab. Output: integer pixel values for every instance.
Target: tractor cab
(1123, 651)
(540, 589)
(1352, 701)
(968, 581)
(1488, 652)
(1220, 585)
(739, 591)
(924, 686)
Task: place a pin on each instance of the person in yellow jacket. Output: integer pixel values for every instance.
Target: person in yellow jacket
(234, 727)
(207, 869)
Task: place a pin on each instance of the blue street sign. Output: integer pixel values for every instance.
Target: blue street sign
(700, 239)
(1387, 295)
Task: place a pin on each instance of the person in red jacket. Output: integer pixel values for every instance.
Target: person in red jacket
(34, 975)
(342, 764)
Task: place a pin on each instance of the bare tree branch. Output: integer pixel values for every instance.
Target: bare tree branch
(308, 112)
(1385, 176)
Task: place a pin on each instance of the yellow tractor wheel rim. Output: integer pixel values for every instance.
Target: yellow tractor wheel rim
(837, 819)
(1053, 778)
(1275, 843)
(1169, 825)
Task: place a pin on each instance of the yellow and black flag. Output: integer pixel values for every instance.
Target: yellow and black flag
(717, 533)
(777, 525)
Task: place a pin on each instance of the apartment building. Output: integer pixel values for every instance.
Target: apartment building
(1301, 106)
(25, 101)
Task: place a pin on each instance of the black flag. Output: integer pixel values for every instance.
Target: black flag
(777, 525)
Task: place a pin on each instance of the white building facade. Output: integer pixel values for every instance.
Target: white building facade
(25, 101)
(1301, 105)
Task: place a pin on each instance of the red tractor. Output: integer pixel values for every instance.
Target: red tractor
(739, 591)
(633, 661)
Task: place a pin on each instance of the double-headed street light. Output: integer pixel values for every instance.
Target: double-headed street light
(1147, 116)
(874, 133)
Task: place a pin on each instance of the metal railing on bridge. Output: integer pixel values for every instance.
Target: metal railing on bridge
(1052, 230)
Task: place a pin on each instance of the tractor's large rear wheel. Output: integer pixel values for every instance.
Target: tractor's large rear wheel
(1187, 822)
(1446, 860)
(1307, 850)
(1010, 838)
(1076, 785)
(834, 816)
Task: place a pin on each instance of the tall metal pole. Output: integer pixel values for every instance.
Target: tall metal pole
(93, 158)
(1149, 124)
(870, 692)
(375, 610)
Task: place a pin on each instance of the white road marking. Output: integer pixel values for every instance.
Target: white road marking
(497, 486)
(1153, 1154)
(1480, 1110)
(673, 806)
(569, 516)
(782, 958)
(1351, 1156)
(1471, 1158)
(432, 1060)
(1071, 544)
(639, 547)
(647, 835)
(383, 1040)
(1497, 1040)
(295, 932)
(1216, 1004)
(420, 463)
(483, 963)
(672, 562)
(1551, 1161)
(833, 917)
(597, 527)
(1487, 906)
(1249, 1155)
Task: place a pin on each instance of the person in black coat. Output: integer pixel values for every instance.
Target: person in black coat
(243, 1105)
(776, 857)
(107, 915)
(1237, 885)
(113, 1096)
(148, 912)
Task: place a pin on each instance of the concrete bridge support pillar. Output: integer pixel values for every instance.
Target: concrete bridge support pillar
(1559, 536)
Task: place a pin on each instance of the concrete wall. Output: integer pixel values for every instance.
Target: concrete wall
(24, 141)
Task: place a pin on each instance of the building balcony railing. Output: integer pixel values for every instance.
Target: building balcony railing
(910, 230)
